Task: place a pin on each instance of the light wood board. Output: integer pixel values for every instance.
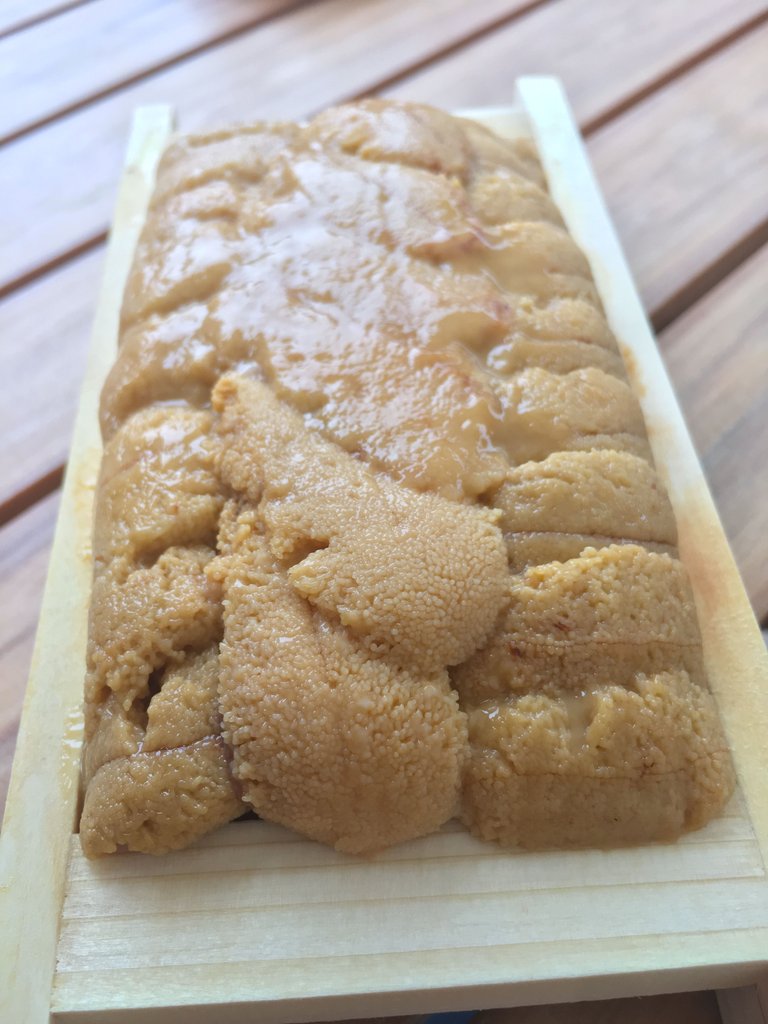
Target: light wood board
(254, 922)
(42, 797)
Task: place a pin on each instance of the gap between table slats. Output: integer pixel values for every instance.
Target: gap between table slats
(169, 37)
(154, 35)
(20, 15)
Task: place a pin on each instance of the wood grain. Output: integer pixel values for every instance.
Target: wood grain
(717, 354)
(288, 925)
(151, 34)
(16, 15)
(45, 329)
(709, 146)
(315, 56)
(641, 46)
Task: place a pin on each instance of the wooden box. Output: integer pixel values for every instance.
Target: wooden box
(255, 923)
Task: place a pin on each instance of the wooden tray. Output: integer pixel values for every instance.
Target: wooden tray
(254, 922)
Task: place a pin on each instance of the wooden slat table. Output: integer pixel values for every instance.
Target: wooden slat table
(673, 98)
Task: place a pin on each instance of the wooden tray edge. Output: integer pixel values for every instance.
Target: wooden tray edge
(43, 791)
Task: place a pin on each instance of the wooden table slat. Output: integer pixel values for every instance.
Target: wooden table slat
(641, 46)
(314, 56)
(148, 34)
(697, 154)
(24, 549)
(42, 360)
(717, 354)
(20, 15)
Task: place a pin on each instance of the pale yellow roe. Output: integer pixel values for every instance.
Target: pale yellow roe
(378, 536)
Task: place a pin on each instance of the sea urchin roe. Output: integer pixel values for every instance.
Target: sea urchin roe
(379, 539)
(410, 574)
(613, 766)
(360, 267)
(607, 492)
(336, 742)
(590, 699)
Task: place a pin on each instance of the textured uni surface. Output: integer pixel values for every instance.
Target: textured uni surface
(378, 535)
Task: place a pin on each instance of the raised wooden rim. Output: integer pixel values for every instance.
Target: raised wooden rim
(43, 792)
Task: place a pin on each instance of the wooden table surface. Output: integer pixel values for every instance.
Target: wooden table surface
(672, 96)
